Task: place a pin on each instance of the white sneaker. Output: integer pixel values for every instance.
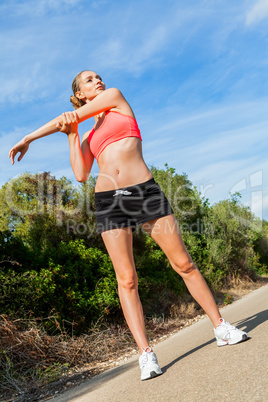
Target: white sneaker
(227, 334)
(149, 365)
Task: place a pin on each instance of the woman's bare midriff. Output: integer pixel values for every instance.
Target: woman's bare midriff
(121, 164)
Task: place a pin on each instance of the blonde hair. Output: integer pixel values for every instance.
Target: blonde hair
(77, 103)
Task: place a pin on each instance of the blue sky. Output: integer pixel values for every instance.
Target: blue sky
(195, 73)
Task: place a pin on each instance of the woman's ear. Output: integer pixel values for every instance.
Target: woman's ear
(80, 95)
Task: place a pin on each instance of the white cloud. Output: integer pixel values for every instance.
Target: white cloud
(257, 13)
(135, 43)
(65, 35)
(35, 56)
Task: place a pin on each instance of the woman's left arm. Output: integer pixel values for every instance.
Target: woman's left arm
(106, 100)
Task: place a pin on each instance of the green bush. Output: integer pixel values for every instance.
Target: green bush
(230, 238)
(79, 285)
(47, 270)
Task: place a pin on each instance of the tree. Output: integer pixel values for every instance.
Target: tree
(42, 211)
(53, 261)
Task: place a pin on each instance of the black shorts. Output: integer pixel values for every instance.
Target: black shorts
(130, 206)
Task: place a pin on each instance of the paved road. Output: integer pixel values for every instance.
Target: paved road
(195, 369)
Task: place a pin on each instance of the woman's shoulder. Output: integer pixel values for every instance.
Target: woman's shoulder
(121, 105)
(114, 93)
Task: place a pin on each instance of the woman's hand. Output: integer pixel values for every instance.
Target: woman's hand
(69, 123)
(21, 147)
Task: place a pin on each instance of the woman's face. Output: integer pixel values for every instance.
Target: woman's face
(91, 85)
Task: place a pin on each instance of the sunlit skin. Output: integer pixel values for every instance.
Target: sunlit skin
(122, 161)
(121, 164)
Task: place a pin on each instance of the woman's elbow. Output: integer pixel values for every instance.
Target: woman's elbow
(81, 179)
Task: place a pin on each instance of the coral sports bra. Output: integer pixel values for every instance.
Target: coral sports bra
(115, 127)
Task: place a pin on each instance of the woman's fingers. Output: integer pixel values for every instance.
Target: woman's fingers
(11, 155)
(13, 152)
(71, 117)
(22, 154)
(68, 120)
(65, 118)
(75, 117)
(62, 125)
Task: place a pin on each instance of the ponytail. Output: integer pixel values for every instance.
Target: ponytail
(77, 103)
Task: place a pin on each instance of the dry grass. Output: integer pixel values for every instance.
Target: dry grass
(30, 358)
(35, 365)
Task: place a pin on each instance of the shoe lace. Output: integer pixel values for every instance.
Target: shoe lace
(229, 326)
(226, 325)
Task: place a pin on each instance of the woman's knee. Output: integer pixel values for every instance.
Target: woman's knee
(128, 281)
(184, 266)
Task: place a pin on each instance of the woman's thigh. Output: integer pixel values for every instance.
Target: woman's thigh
(165, 231)
(118, 243)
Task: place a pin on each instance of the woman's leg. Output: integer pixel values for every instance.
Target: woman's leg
(166, 233)
(119, 246)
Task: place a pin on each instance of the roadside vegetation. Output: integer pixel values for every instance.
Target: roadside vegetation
(59, 307)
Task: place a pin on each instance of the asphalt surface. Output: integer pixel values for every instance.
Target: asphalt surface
(195, 368)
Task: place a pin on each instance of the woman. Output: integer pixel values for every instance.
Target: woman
(126, 195)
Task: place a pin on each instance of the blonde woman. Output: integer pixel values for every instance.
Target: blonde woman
(126, 195)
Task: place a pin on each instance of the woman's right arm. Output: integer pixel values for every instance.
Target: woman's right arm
(81, 157)
(110, 98)
(23, 145)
